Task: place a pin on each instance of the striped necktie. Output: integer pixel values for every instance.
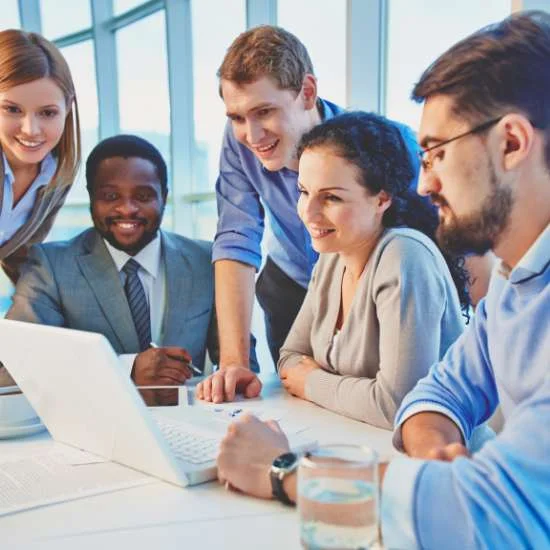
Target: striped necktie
(138, 303)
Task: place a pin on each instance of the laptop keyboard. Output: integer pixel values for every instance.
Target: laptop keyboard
(190, 446)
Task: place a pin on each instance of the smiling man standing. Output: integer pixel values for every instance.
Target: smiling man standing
(125, 278)
(270, 93)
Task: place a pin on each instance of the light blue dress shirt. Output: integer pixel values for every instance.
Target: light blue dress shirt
(14, 217)
(246, 191)
(500, 498)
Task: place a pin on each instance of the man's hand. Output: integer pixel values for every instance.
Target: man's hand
(432, 435)
(448, 453)
(224, 384)
(162, 366)
(294, 378)
(246, 454)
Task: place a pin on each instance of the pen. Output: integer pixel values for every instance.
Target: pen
(192, 367)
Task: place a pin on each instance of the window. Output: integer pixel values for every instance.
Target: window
(74, 217)
(209, 110)
(62, 17)
(420, 31)
(10, 17)
(321, 26)
(143, 94)
(121, 6)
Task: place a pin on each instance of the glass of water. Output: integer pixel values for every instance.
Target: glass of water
(338, 498)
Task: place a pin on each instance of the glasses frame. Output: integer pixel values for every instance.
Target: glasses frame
(427, 163)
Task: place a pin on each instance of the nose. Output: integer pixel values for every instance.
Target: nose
(254, 132)
(310, 209)
(30, 125)
(127, 207)
(428, 183)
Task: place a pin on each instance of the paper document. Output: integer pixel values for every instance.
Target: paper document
(58, 475)
(229, 412)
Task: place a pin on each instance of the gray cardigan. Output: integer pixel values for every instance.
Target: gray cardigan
(13, 253)
(404, 316)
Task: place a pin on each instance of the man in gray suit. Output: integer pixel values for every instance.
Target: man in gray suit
(84, 283)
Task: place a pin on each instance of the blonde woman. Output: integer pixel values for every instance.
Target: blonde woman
(39, 142)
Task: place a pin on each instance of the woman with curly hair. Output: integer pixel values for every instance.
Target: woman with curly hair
(384, 303)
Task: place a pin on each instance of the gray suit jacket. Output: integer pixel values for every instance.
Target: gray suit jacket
(75, 284)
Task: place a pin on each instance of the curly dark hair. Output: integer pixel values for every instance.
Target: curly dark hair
(375, 145)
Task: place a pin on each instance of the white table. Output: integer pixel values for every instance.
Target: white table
(163, 515)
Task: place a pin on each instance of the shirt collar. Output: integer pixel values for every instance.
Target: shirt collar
(47, 169)
(532, 262)
(148, 257)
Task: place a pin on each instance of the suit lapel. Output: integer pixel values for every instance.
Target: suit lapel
(179, 286)
(100, 271)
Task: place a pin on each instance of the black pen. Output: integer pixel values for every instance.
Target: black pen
(193, 368)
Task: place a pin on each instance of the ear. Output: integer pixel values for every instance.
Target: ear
(518, 137)
(384, 201)
(309, 91)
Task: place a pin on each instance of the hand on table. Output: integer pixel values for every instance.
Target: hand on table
(294, 378)
(246, 454)
(162, 366)
(225, 383)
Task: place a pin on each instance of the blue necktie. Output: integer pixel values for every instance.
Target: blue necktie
(138, 303)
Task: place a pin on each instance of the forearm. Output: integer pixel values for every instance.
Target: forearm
(234, 301)
(425, 431)
(360, 398)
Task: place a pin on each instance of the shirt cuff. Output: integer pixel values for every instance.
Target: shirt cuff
(127, 362)
(423, 406)
(397, 514)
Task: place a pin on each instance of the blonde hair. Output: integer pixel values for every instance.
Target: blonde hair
(27, 56)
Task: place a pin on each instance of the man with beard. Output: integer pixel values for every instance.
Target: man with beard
(125, 278)
(485, 137)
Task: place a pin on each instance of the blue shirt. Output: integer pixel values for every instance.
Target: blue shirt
(12, 218)
(500, 498)
(246, 190)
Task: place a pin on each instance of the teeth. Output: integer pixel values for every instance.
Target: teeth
(127, 225)
(29, 143)
(266, 148)
(319, 232)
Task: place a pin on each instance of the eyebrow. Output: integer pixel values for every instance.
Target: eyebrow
(49, 106)
(325, 189)
(255, 108)
(427, 140)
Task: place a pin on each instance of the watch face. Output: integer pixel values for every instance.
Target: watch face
(285, 461)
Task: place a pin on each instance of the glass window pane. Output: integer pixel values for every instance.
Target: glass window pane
(80, 58)
(61, 17)
(324, 37)
(437, 26)
(9, 20)
(121, 6)
(211, 38)
(143, 93)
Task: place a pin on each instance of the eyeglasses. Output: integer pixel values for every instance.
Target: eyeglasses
(427, 163)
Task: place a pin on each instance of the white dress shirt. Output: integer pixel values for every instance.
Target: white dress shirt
(152, 275)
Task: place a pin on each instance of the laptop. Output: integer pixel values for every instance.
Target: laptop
(75, 383)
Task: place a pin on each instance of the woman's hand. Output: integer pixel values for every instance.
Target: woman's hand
(294, 378)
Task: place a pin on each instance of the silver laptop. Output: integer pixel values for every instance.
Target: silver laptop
(74, 381)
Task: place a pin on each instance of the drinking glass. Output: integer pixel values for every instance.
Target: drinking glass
(338, 498)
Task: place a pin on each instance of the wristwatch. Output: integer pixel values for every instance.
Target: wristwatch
(282, 466)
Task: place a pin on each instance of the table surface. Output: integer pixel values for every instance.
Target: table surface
(204, 516)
